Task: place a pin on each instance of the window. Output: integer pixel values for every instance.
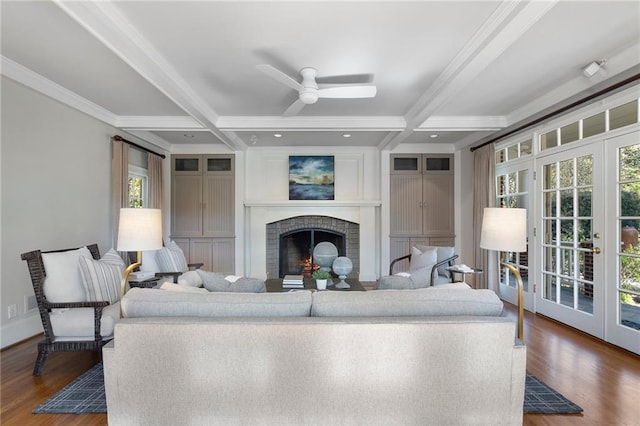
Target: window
(138, 187)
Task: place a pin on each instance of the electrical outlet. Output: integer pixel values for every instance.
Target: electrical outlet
(30, 303)
(13, 311)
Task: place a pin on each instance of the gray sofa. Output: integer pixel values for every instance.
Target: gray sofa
(429, 356)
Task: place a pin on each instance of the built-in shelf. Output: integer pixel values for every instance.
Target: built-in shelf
(314, 203)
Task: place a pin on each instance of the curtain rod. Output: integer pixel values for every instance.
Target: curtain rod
(560, 110)
(121, 139)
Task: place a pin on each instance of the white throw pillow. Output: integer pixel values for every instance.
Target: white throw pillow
(102, 278)
(171, 259)
(191, 279)
(422, 262)
(443, 253)
(63, 282)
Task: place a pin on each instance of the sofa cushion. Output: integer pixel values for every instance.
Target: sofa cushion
(171, 259)
(140, 302)
(432, 301)
(102, 278)
(77, 323)
(63, 282)
(169, 286)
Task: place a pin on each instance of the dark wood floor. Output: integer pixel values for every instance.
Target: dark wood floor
(602, 379)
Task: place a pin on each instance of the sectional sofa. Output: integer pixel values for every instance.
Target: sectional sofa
(420, 357)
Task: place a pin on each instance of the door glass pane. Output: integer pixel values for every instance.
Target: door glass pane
(584, 170)
(566, 230)
(218, 164)
(584, 231)
(501, 183)
(512, 152)
(549, 231)
(630, 162)
(549, 177)
(525, 148)
(566, 202)
(584, 202)
(566, 173)
(187, 164)
(549, 287)
(550, 204)
(630, 199)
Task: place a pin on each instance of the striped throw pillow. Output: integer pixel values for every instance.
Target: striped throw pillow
(171, 259)
(102, 278)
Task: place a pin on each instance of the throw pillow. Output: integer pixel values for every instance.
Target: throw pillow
(171, 259)
(213, 281)
(443, 253)
(191, 279)
(63, 282)
(422, 262)
(102, 278)
(247, 285)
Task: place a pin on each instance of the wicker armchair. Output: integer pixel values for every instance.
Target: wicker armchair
(51, 342)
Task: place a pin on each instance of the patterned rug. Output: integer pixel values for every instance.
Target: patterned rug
(86, 395)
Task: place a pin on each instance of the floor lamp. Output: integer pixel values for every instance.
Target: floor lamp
(505, 230)
(138, 230)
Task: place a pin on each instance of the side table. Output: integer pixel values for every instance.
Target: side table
(456, 269)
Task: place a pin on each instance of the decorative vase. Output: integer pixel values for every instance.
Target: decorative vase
(321, 284)
(342, 266)
(324, 254)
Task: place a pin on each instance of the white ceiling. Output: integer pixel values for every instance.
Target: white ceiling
(180, 73)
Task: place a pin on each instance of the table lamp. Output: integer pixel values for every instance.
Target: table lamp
(505, 230)
(138, 230)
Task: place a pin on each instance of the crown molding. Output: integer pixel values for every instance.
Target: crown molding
(465, 123)
(256, 123)
(25, 76)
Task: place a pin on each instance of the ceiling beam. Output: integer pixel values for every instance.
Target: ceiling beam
(109, 26)
(374, 123)
(508, 23)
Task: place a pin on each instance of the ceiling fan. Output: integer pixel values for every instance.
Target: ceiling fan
(309, 92)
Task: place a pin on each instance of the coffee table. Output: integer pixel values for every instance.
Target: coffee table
(274, 285)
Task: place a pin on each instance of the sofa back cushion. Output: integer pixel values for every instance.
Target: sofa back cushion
(63, 282)
(139, 302)
(434, 301)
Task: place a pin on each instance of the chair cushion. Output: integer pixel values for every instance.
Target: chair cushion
(63, 282)
(171, 259)
(77, 323)
(102, 278)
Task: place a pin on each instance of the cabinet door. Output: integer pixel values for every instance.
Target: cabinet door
(186, 164)
(186, 203)
(406, 205)
(219, 202)
(438, 205)
(201, 250)
(398, 248)
(223, 255)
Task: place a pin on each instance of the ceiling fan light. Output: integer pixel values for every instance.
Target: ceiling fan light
(308, 97)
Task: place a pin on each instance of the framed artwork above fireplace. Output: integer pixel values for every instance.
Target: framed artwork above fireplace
(311, 177)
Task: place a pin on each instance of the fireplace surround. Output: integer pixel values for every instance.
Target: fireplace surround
(295, 238)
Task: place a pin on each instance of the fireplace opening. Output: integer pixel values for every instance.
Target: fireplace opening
(296, 249)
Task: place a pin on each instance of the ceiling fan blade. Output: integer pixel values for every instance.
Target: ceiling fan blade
(278, 75)
(294, 108)
(348, 92)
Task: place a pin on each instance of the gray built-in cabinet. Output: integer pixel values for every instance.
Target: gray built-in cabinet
(202, 209)
(422, 202)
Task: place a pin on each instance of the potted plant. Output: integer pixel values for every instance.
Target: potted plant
(321, 278)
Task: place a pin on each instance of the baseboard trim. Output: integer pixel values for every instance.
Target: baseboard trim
(19, 330)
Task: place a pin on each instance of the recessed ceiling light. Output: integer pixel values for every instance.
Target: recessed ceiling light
(346, 135)
(433, 136)
(277, 135)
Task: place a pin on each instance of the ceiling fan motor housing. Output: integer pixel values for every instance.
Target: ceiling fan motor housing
(309, 95)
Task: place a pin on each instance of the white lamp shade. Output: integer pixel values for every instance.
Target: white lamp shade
(139, 230)
(504, 229)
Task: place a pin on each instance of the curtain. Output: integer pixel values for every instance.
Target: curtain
(154, 179)
(120, 183)
(484, 195)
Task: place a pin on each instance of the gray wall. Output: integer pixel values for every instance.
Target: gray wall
(56, 191)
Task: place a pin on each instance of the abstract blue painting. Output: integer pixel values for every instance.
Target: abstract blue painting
(311, 177)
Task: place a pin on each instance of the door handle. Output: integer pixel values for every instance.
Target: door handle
(596, 250)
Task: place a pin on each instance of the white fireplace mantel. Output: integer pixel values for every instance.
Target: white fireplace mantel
(313, 203)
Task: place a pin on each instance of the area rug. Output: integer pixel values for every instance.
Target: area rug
(86, 395)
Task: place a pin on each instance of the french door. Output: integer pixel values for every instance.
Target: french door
(588, 238)
(570, 231)
(622, 326)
